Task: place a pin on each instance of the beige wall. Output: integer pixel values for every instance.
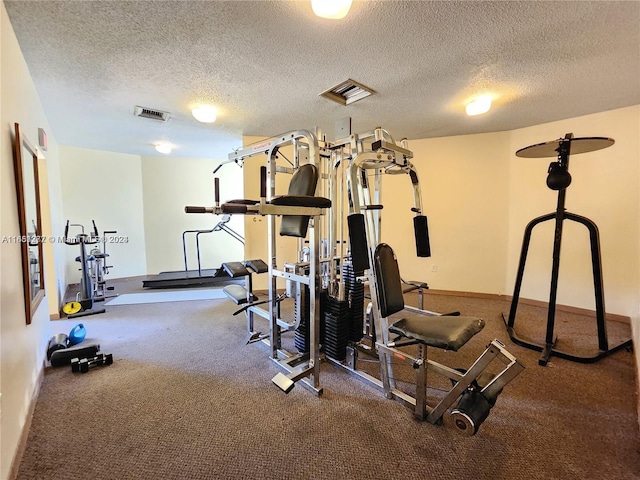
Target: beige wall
(479, 197)
(22, 347)
(169, 184)
(143, 199)
(464, 184)
(105, 187)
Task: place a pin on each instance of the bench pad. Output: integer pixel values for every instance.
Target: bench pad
(235, 269)
(301, 201)
(446, 332)
(238, 294)
(257, 265)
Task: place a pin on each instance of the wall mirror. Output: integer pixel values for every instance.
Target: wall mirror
(27, 187)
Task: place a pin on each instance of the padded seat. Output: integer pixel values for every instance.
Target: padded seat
(415, 285)
(238, 294)
(243, 201)
(447, 333)
(235, 269)
(301, 201)
(257, 265)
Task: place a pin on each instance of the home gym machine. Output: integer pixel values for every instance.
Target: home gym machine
(364, 160)
(300, 210)
(328, 279)
(559, 179)
(85, 298)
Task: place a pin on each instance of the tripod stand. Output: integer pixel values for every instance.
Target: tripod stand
(559, 179)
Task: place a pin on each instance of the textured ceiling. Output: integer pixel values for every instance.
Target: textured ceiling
(263, 64)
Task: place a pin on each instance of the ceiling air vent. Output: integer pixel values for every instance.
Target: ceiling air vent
(347, 92)
(151, 113)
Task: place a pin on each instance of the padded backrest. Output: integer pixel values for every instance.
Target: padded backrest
(421, 230)
(358, 242)
(303, 183)
(388, 280)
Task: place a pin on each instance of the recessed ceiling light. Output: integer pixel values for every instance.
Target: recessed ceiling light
(165, 148)
(479, 105)
(205, 113)
(334, 9)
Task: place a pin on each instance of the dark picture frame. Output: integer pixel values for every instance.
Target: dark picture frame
(29, 215)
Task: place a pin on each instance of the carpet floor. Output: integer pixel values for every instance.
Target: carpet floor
(187, 399)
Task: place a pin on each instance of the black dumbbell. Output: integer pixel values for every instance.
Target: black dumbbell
(82, 364)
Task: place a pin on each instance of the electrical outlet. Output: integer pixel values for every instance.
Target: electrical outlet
(434, 268)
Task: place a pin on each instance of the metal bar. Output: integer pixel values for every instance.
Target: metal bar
(463, 383)
(553, 290)
(598, 287)
(391, 147)
(292, 276)
(420, 411)
(314, 304)
(523, 259)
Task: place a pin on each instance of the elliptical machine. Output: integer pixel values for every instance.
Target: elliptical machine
(83, 305)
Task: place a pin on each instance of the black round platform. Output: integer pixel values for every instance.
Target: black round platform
(578, 145)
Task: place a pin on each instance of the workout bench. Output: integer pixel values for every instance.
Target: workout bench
(238, 293)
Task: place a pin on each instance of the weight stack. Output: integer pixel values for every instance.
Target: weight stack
(336, 328)
(355, 296)
(301, 337)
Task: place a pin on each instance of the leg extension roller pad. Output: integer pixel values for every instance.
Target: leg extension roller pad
(472, 409)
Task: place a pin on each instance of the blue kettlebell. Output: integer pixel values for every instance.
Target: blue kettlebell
(77, 334)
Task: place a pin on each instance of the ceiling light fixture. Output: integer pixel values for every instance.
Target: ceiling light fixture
(205, 113)
(334, 9)
(165, 148)
(479, 105)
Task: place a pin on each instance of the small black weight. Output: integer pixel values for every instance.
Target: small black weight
(82, 365)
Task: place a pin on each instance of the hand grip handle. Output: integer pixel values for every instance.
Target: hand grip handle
(192, 209)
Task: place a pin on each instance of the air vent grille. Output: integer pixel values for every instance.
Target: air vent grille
(152, 113)
(348, 92)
